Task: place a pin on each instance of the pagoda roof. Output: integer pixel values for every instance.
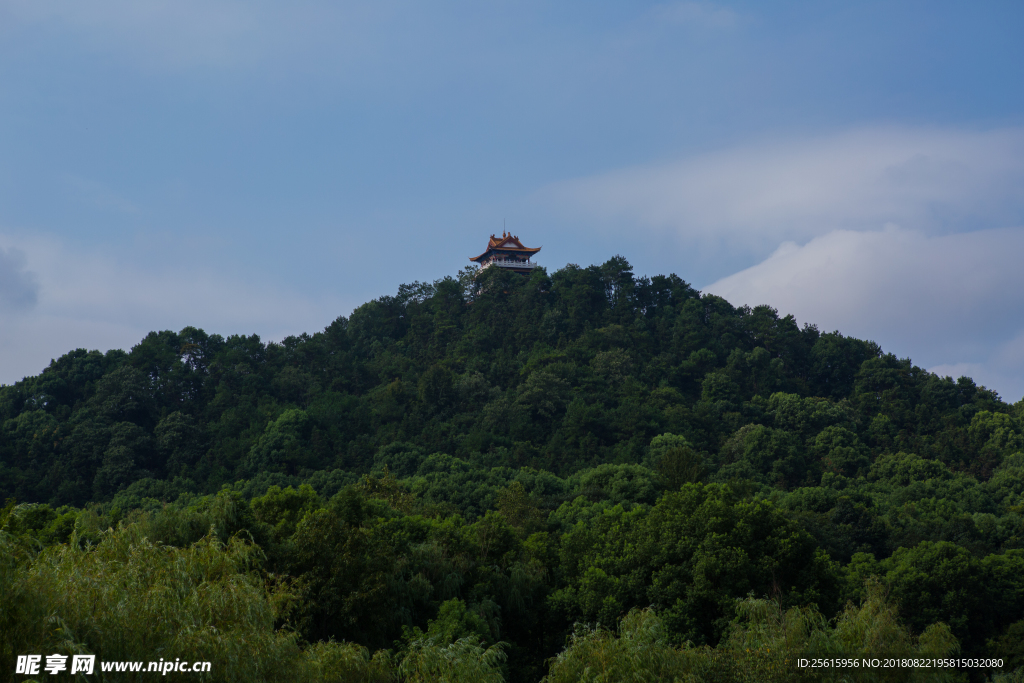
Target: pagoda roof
(507, 242)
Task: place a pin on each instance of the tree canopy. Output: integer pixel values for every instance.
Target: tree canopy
(498, 477)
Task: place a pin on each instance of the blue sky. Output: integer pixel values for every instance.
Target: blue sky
(265, 167)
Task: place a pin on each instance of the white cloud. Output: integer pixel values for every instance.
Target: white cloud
(953, 303)
(933, 180)
(946, 287)
(90, 300)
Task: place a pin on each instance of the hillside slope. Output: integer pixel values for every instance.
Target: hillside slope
(505, 456)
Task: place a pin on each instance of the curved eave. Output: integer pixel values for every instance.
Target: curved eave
(524, 250)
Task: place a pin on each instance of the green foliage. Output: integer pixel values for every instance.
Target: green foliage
(284, 509)
(675, 461)
(463, 661)
(455, 622)
(127, 598)
(1009, 646)
(769, 455)
(763, 644)
(691, 555)
(282, 447)
(617, 483)
(640, 653)
(492, 457)
(331, 662)
(766, 640)
(941, 581)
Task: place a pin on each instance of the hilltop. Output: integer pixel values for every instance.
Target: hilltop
(504, 455)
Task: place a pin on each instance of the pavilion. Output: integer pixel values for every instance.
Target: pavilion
(507, 252)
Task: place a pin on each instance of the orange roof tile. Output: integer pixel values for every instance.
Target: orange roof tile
(507, 242)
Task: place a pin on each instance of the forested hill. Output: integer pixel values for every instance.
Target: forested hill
(555, 373)
(526, 453)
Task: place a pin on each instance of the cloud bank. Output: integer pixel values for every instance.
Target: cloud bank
(753, 197)
(900, 235)
(953, 303)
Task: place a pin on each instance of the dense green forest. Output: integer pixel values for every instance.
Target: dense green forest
(583, 475)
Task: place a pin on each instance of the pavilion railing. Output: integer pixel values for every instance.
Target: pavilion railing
(508, 263)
